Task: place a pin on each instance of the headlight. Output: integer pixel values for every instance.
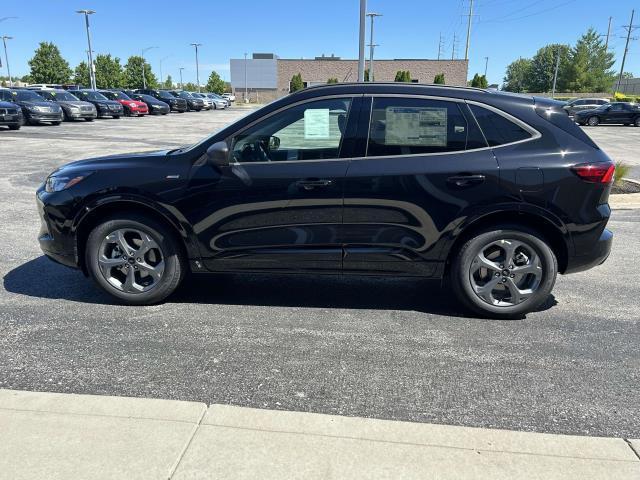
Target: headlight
(57, 183)
(34, 108)
(74, 108)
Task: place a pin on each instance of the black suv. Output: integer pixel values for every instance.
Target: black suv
(104, 106)
(621, 113)
(195, 104)
(10, 115)
(493, 193)
(176, 104)
(35, 109)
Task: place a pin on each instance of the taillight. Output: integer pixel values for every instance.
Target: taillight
(595, 172)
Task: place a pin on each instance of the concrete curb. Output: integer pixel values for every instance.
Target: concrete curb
(50, 435)
(624, 201)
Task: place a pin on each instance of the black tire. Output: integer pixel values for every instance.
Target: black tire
(88, 119)
(56, 123)
(175, 264)
(117, 117)
(593, 121)
(637, 122)
(460, 274)
(14, 127)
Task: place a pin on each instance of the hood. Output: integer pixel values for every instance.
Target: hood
(43, 103)
(75, 103)
(114, 161)
(7, 105)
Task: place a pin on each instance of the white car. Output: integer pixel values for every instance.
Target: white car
(218, 101)
(229, 96)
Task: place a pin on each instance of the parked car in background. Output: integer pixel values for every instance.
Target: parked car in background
(229, 96)
(175, 103)
(218, 101)
(73, 108)
(155, 107)
(456, 184)
(621, 113)
(195, 104)
(131, 107)
(35, 109)
(105, 107)
(11, 115)
(208, 103)
(579, 104)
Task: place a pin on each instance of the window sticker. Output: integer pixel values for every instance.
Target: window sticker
(416, 126)
(316, 123)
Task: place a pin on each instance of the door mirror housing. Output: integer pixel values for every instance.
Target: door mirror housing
(218, 154)
(274, 143)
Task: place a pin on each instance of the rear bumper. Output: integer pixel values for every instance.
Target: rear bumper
(598, 255)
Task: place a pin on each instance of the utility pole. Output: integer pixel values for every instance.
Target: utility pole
(144, 77)
(486, 66)
(555, 76)
(630, 28)
(4, 41)
(372, 46)
(440, 45)
(181, 84)
(466, 52)
(606, 45)
(246, 90)
(92, 68)
(453, 47)
(196, 45)
(161, 60)
(361, 46)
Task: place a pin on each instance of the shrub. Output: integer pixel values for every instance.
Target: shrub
(622, 170)
(439, 79)
(296, 83)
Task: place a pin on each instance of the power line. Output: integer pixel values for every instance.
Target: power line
(629, 28)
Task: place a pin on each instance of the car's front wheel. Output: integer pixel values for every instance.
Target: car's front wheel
(504, 272)
(593, 121)
(135, 259)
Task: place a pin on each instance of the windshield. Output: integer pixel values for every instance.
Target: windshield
(63, 96)
(117, 96)
(93, 96)
(164, 94)
(27, 95)
(184, 95)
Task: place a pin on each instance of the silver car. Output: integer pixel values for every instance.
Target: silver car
(73, 108)
(220, 102)
(208, 104)
(580, 104)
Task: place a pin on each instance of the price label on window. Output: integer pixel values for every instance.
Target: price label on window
(316, 123)
(415, 126)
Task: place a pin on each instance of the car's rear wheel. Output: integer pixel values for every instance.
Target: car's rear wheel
(593, 121)
(88, 119)
(637, 122)
(14, 127)
(135, 259)
(504, 272)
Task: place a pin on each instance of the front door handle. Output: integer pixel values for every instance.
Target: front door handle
(462, 181)
(313, 184)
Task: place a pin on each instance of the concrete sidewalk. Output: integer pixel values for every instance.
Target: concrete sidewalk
(625, 201)
(61, 436)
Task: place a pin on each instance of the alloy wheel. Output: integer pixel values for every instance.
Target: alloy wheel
(506, 272)
(593, 121)
(131, 261)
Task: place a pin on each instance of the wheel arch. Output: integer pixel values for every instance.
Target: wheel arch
(93, 215)
(556, 236)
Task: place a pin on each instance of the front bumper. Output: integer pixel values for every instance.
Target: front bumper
(45, 116)
(55, 240)
(159, 109)
(597, 256)
(11, 119)
(80, 115)
(179, 107)
(108, 112)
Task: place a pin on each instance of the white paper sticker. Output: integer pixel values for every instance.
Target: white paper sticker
(416, 126)
(316, 123)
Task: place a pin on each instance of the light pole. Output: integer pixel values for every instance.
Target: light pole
(372, 46)
(92, 71)
(161, 60)
(361, 41)
(486, 66)
(144, 77)
(181, 84)
(4, 41)
(196, 45)
(246, 98)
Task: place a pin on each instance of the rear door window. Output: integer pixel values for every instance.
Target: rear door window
(414, 126)
(497, 129)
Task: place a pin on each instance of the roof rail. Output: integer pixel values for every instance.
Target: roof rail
(434, 85)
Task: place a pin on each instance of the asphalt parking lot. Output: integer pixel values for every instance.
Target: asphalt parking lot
(394, 349)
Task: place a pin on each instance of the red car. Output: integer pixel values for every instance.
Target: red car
(131, 107)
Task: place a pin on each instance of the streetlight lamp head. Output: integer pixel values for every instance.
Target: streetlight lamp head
(86, 12)
(7, 37)
(374, 14)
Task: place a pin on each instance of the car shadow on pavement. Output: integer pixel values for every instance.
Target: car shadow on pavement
(44, 279)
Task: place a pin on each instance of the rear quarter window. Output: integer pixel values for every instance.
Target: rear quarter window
(497, 129)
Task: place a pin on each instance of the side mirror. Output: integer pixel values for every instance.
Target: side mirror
(218, 154)
(274, 143)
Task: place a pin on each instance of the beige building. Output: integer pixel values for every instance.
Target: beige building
(266, 77)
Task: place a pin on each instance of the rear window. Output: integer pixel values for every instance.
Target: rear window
(497, 129)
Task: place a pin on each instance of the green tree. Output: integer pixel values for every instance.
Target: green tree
(215, 84)
(168, 83)
(109, 73)
(403, 76)
(589, 68)
(627, 75)
(332, 80)
(81, 74)
(190, 87)
(296, 83)
(366, 75)
(439, 79)
(132, 77)
(479, 81)
(48, 66)
(517, 77)
(543, 67)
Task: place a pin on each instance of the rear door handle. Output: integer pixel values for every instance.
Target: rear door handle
(462, 181)
(313, 184)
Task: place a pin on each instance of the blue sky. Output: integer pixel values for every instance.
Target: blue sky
(503, 30)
